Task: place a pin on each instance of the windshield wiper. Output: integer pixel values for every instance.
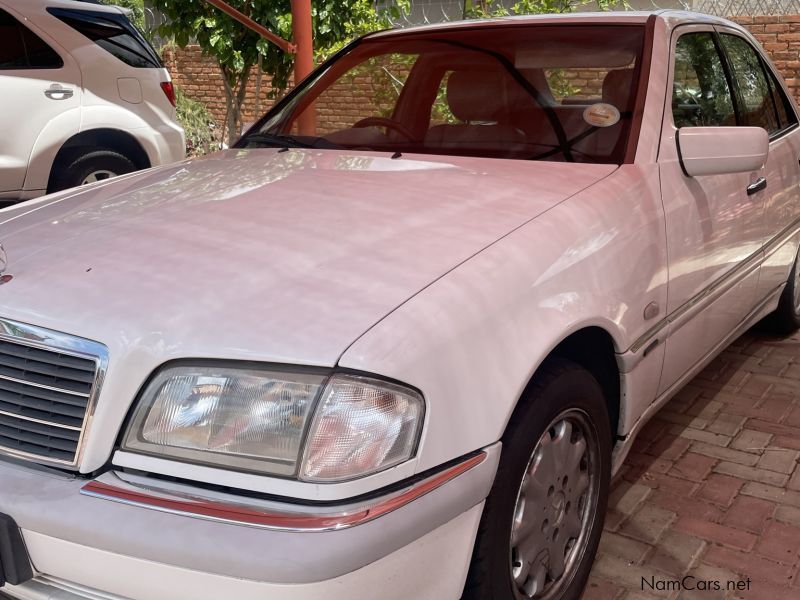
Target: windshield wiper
(288, 141)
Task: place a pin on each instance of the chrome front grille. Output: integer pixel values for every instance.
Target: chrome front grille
(48, 385)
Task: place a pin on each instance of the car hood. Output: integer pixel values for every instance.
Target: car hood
(281, 256)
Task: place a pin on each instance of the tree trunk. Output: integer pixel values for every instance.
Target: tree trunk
(226, 125)
(235, 96)
(241, 96)
(259, 78)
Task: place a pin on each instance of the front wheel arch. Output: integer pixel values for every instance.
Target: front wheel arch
(593, 349)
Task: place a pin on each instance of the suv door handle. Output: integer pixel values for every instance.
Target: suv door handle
(57, 92)
(758, 185)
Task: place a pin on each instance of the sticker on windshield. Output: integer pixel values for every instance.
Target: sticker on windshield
(601, 115)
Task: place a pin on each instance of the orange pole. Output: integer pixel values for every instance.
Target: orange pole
(259, 29)
(304, 58)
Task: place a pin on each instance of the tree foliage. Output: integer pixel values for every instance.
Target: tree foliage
(198, 125)
(481, 9)
(238, 50)
(135, 6)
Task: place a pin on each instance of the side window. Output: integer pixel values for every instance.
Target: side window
(112, 33)
(758, 108)
(12, 50)
(786, 115)
(701, 95)
(20, 48)
(40, 55)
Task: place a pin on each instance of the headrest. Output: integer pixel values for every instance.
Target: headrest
(477, 95)
(617, 88)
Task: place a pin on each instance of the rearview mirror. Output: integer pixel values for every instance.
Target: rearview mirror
(721, 150)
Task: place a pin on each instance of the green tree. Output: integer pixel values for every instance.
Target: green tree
(479, 9)
(238, 51)
(135, 6)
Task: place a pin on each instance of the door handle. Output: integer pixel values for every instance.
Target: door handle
(57, 92)
(758, 185)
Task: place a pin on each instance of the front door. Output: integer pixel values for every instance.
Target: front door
(714, 227)
(37, 84)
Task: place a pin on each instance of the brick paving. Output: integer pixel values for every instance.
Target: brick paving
(711, 489)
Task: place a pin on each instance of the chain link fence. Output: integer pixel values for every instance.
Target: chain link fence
(437, 11)
(738, 8)
(152, 20)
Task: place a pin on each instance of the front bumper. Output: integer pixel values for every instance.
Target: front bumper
(89, 547)
(433, 567)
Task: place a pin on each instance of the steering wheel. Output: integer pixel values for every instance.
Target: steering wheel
(388, 123)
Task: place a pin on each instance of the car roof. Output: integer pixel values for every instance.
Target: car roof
(23, 5)
(673, 17)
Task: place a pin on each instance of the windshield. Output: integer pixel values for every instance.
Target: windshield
(529, 92)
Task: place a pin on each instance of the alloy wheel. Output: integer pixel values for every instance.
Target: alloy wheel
(99, 175)
(555, 507)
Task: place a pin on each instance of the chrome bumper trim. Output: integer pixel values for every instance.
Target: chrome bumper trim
(226, 508)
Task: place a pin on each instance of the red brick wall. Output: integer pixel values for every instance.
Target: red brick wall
(780, 36)
(200, 79)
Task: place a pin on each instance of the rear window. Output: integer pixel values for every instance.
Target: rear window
(20, 48)
(114, 33)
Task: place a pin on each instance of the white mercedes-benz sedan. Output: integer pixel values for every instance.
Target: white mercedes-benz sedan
(395, 342)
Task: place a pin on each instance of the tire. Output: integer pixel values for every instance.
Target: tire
(786, 317)
(102, 163)
(562, 392)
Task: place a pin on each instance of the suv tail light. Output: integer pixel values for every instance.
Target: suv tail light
(169, 91)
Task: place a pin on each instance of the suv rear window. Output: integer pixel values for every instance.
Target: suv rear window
(20, 48)
(114, 33)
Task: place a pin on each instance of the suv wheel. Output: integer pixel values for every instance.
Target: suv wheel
(96, 165)
(544, 516)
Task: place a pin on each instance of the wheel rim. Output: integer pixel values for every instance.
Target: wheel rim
(555, 507)
(99, 175)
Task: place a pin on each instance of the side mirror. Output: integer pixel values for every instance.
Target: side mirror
(721, 150)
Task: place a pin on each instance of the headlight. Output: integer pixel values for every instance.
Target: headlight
(361, 426)
(266, 421)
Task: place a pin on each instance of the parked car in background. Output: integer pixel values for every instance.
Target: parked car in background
(395, 343)
(85, 98)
